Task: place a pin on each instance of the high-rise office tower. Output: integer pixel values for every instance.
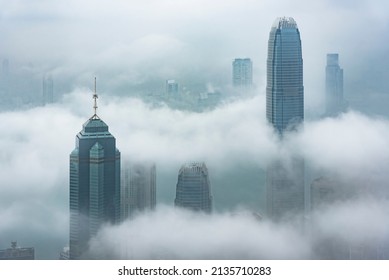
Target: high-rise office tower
(242, 73)
(48, 90)
(284, 90)
(334, 85)
(193, 187)
(138, 188)
(94, 183)
(285, 112)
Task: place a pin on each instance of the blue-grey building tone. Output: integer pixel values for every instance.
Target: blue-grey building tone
(285, 189)
(284, 90)
(17, 253)
(138, 188)
(242, 73)
(171, 89)
(94, 184)
(193, 189)
(285, 112)
(334, 85)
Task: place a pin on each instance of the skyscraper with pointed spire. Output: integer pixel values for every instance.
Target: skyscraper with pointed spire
(94, 183)
(285, 112)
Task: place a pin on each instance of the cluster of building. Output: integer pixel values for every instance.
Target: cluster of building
(100, 192)
(98, 195)
(104, 192)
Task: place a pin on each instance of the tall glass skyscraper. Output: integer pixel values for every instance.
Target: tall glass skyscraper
(94, 184)
(284, 90)
(334, 85)
(193, 187)
(285, 112)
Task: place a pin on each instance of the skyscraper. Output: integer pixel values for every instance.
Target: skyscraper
(171, 89)
(138, 188)
(94, 183)
(193, 187)
(285, 112)
(284, 90)
(242, 73)
(334, 85)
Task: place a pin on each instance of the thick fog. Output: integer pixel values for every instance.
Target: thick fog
(133, 47)
(234, 140)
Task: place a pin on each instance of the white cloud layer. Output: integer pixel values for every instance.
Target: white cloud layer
(37, 143)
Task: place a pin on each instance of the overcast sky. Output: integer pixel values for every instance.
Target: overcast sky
(132, 44)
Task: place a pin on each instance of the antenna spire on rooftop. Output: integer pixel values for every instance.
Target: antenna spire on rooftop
(95, 97)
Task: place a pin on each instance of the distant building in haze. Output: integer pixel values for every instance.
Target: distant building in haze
(208, 100)
(328, 194)
(242, 73)
(48, 90)
(285, 112)
(171, 89)
(138, 188)
(334, 85)
(17, 253)
(193, 189)
(94, 183)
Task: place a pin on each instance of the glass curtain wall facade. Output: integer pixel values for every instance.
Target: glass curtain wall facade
(94, 184)
(193, 188)
(285, 90)
(138, 188)
(285, 112)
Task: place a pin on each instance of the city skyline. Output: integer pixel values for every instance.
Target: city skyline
(233, 138)
(157, 52)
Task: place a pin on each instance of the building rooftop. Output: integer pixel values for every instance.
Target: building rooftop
(95, 125)
(194, 167)
(284, 22)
